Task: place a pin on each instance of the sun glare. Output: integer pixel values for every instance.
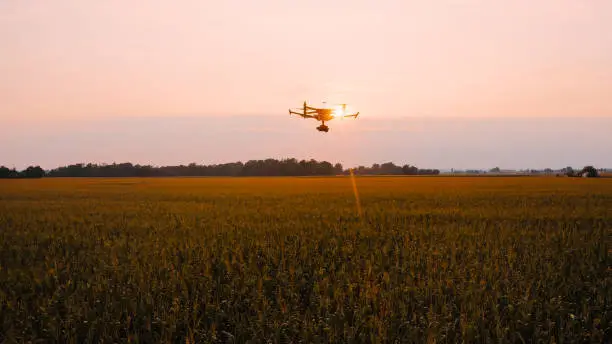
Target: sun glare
(338, 112)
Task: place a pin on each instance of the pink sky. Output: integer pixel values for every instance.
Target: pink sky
(62, 60)
(389, 58)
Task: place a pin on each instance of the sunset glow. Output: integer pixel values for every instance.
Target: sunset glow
(67, 62)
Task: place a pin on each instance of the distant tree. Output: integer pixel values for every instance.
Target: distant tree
(390, 168)
(33, 172)
(5, 172)
(590, 171)
(410, 170)
(495, 170)
(338, 168)
(375, 169)
(429, 172)
(325, 169)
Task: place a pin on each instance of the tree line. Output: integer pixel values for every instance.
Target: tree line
(30, 172)
(267, 167)
(390, 168)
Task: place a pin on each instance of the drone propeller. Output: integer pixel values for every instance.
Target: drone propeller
(341, 104)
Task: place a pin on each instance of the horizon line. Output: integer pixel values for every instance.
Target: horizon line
(481, 169)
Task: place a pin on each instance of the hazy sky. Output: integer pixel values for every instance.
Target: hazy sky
(121, 68)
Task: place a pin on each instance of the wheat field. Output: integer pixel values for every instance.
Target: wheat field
(203, 260)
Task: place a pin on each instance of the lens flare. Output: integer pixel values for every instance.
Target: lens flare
(357, 201)
(338, 112)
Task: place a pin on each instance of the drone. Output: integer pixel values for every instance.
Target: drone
(323, 114)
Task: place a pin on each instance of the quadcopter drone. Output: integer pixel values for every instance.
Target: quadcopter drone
(323, 114)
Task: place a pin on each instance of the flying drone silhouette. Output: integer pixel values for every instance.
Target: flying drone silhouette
(323, 114)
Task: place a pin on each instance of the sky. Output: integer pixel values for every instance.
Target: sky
(463, 84)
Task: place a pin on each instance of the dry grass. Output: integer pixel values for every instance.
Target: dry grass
(287, 259)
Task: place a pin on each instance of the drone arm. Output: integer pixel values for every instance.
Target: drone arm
(301, 114)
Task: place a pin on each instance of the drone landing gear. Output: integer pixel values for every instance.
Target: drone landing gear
(323, 127)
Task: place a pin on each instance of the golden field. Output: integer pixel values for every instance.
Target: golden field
(432, 259)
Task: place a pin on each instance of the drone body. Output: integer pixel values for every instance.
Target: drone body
(323, 114)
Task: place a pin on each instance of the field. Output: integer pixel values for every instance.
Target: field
(432, 259)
